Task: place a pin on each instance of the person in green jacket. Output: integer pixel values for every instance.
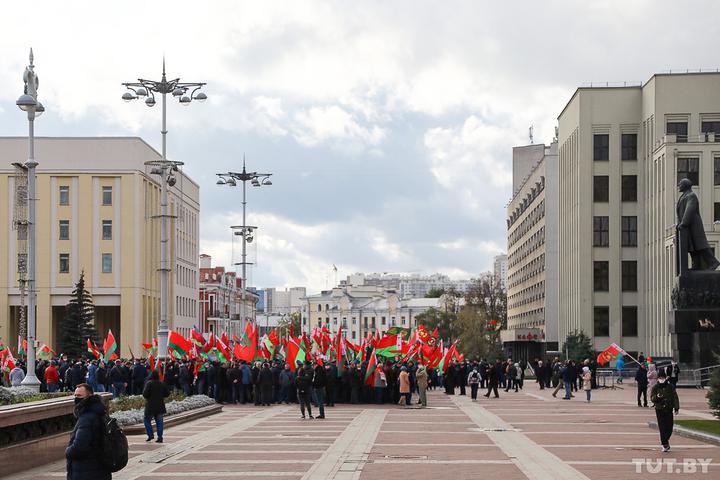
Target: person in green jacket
(666, 401)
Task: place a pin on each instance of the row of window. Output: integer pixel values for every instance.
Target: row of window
(601, 231)
(601, 188)
(64, 195)
(601, 276)
(64, 263)
(64, 229)
(628, 146)
(601, 321)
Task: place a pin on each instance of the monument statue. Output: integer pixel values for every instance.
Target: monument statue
(690, 232)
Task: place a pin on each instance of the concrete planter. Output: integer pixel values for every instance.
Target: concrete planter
(176, 419)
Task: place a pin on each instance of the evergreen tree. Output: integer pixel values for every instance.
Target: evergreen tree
(578, 346)
(713, 395)
(78, 324)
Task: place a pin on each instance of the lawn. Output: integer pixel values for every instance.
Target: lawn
(708, 426)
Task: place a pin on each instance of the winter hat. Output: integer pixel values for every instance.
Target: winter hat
(661, 374)
(586, 369)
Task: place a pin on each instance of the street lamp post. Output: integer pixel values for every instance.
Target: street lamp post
(166, 169)
(29, 103)
(246, 231)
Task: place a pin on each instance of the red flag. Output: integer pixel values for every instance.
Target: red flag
(370, 372)
(609, 354)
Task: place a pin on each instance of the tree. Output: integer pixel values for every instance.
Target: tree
(482, 317)
(78, 324)
(713, 395)
(578, 346)
(445, 322)
(436, 292)
(287, 321)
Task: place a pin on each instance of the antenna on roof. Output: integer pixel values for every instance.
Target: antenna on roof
(530, 134)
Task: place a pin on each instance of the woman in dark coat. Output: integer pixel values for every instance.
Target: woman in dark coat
(265, 380)
(155, 393)
(84, 452)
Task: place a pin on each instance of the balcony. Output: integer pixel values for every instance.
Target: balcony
(672, 138)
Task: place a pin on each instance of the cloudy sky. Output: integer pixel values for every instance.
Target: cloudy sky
(388, 126)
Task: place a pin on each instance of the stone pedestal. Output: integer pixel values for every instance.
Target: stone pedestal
(694, 320)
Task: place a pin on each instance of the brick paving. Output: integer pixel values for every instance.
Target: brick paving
(524, 435)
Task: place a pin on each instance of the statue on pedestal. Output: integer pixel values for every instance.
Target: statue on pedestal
(690, 235)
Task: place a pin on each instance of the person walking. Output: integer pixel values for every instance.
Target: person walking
(155, 392)
(642, 384)
(404, 379)
(319, 383)
(568, 377)
(380, 384)
(421, 377)
(494, 378)
(652, 376)
(83, 453)
(474, 381)
(285, 380)
(265, 380)
(17, 375)
(665, 400)
(52, 378)
(672, 372)
(587, 382)
(303, 382)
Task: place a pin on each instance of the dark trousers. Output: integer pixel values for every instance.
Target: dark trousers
(320, 398)
(304, 399)
(159, 423)
(665, 425)
(473, 391)
(462, 388)
(492, 387)
(330, 395)
(256, 394)
(642, 392)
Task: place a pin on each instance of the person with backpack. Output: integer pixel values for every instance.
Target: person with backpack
(474, 381)
(665, 400)
(84, 453)
(155, 393)
(303, 382)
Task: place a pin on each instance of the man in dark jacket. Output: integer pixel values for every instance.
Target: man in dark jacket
(642, 384)
(319, 383)
(139, 375)
(83, 453)
(117, 379)
(493, 376)
(303, 381)
(665, 399)
(265, 381)
(155, 393)
(332, 380)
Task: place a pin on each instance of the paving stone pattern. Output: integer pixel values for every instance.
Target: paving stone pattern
(524, 435)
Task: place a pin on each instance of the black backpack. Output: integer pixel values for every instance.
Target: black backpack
(114, 445)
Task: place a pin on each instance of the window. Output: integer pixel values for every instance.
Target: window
(601, 232)
(688, 168)
(716, 217)
(319, 308)
(107, 229)
(629, 188)
(716, 170)
(382, 320)
(601, 276)
(629, 322)
(629, 276)
(601, 147)
(107, 263)
(629, 231)
(107, 195)
(710, 127)
(64, 195)
(601, 322)
(679, 129)
(629, 146)
(402, 319)
(64, 264)
(353, 335)
(64, 229)
(601, 188)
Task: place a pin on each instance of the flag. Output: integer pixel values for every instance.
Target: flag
(388, 346)
(370, 372)
(9, 362)
(93, 349)
(295, 353)
(197, 337)
(46, 352)
(161, 369)
(151, 348)
(179, 344)
(609, 353)
(22, 346)
(403, 332)
(109, 346)
(445, 362)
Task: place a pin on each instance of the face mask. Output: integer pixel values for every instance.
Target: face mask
(78, 400)
(661, 380)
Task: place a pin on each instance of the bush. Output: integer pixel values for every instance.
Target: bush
(134, 416)
(137, 402)
(713, 395)
(15, 395)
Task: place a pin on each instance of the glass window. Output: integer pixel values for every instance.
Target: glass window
(601, 147)
(64, 196)
(716, 217)
(629, 322)
(710, 127)
(402, 319)
(64, 229)
(353, 334)
(629, 276)
(107, 229)
(629, 188)
(601, 185)
(601, 276)
(64, 264)
(629, 146)
(601, 232)
(601, 322)
(688, 168)
(382, 320)
(716, 170)
(679, 129)
(107, 195)
(629, 231)
(107, 263)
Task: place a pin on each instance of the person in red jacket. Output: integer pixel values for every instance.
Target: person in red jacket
(52, 378)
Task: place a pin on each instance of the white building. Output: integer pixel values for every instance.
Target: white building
(408, 286)
(284, 301)
(500, 269)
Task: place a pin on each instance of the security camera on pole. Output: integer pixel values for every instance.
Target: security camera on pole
(166, 169)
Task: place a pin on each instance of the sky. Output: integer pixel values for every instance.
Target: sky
(388, 126)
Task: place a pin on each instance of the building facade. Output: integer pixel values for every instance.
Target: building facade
(408, 286)
(622, 151)
(500, 269)
(532, 312)
(97, 213)
(284, 301)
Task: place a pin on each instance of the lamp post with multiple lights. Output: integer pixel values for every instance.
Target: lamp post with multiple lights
(29, 103)
(245, 231)
(166, 169)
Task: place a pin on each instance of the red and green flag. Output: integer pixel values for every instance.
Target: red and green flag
(45, 352)
(295, 353)
(109, 346)
(370, 372)
(22, 347)
(387, 346)
(179, 344)
(93, 349)
(197, 337)
(9, 362)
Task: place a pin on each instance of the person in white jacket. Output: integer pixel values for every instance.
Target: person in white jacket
(16, 376)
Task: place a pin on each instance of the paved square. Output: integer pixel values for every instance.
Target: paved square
(524, 435)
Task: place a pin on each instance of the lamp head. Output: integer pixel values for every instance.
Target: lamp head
(221, 181)
(201, 97)
(185, 100)
(150, 102)
(177, 92)
(231, 182)
(171, 181)
(255, 182)
(39, 109)
(267, 182)
(26, 102)
(141, 92)
(127, 96)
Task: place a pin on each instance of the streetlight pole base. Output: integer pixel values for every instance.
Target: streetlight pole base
(31, 381)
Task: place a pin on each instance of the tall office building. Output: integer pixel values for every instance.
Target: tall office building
(500, 269)
(97, 213)
(622, 151)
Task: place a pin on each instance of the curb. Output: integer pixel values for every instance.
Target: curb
(690, 433)
(178, 419)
